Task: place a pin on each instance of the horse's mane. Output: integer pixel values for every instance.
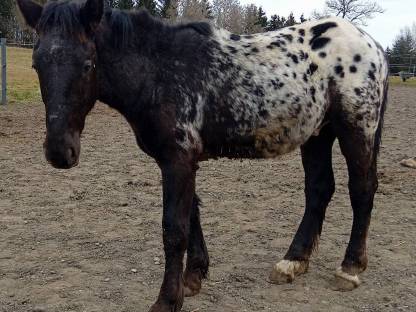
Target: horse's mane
(65, 15)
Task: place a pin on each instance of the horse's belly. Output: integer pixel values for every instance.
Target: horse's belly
(280, 137)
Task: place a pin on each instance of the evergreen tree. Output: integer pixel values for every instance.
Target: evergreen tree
(261, 18)
(403, 52)
(6, 17)
(125, 4)
(291, 20)
(150, 5)
(302, 18)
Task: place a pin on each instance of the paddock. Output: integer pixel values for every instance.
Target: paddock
(89, 239)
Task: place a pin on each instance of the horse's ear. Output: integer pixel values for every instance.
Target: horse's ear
(31, 11)
(91, 14)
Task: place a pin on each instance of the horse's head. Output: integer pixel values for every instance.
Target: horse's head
(65, 60)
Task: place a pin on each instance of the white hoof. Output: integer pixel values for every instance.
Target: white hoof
(345, 281)
(285, 271)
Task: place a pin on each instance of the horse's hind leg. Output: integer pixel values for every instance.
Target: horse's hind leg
(360, 151)
(197, 262)
(319, 188)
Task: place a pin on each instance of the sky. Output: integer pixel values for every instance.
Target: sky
(384, 27)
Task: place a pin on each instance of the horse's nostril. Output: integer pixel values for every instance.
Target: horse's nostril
(71, 154)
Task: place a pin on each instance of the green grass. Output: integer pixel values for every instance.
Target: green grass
(396, 81)
(22, 81)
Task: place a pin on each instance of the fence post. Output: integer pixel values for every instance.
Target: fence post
(3, 72)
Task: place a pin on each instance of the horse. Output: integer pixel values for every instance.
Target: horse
(192, 92)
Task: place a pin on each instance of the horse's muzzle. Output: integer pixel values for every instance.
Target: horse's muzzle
(62, 152)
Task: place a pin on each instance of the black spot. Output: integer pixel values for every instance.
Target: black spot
(259, 91)
(302, 32)
(357, 91)
(235, 37)
(248, 45)
(305, 78)
(313, 67)
(255, 50)
(360, 117)
(322, 54)
(247, 54)
(270, 47)
(373, 66)
(353, 69)
(248, 36)
(294, 75)
(300, 40)
(288, 37)
(262, 64)
(232, 49)
(313, 92)
(371, 75)
(275, 43)
(339, 59)
(339, 69)
(263, 113)
(286, 74)
(322, 28)
(292, 28)
(295, 59)
(357, 58)
(370, 46)
(319, 43)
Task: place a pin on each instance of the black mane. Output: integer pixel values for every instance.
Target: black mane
(66, 15)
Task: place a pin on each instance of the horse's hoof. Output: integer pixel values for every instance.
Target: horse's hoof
(286, 270)
(345, 281)
(192, 283)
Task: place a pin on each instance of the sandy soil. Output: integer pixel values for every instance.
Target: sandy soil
(89, 239)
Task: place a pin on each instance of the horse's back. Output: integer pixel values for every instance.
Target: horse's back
(271, 92)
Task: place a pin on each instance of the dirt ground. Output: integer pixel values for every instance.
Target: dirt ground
(89, 239)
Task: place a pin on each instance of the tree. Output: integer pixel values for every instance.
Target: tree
(125, 4)
(6, 16)
(208, 9)
(229, 14)
(403, 52)
(150, 5)
(261, 18)
(302, 18)
(356, 11)
(291, 20)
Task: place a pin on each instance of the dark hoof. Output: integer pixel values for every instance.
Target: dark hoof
(192, 283)
(161, 306)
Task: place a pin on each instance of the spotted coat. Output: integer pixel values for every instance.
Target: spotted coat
(267, 93)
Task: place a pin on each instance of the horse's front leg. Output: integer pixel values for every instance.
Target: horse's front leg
(178, 193)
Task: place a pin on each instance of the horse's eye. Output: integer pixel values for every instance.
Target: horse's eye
(88, 66)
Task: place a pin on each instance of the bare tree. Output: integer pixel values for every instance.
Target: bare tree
(356, 11)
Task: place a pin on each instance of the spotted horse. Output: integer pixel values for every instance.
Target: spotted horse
(192, 92)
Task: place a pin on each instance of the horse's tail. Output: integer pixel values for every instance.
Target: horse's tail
(383, 106)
